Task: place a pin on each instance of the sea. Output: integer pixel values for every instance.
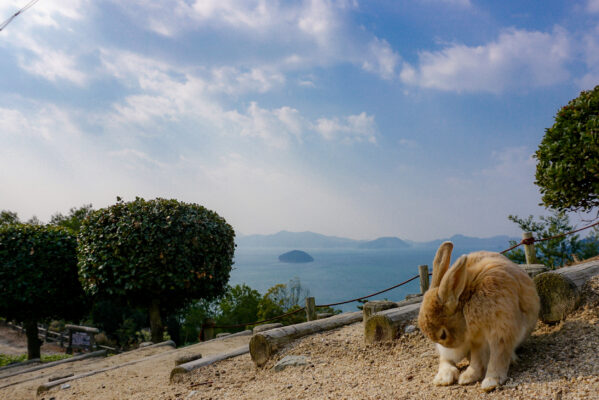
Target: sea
(336, 275)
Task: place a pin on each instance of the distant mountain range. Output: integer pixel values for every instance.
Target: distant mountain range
(311, 240)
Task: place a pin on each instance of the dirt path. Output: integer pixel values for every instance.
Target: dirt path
(557, 362)
(145, 378)
(14, 343)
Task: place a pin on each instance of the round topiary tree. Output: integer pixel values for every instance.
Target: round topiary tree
(568, 156)
(38, 277)
(159, 254)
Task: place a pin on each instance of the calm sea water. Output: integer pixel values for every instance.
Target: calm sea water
(336, 274)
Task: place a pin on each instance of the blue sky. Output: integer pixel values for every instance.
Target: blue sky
(361, 119)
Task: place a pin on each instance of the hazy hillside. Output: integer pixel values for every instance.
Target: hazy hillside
(313, 240)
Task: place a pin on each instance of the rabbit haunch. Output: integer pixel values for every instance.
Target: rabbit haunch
(481, 308)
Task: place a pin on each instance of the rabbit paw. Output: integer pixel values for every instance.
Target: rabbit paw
(447, 375)
(491, 382)
(469, 376)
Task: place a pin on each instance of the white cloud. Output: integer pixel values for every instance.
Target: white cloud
(319, 32)
(165, 93)
(593, 6)
(28, 36)
(515, 163)
(350, 129)
(591, 58)
(44, 13)
(231, 80)
(408, 143)
(49, 63)
(275, 127)
(518, 58)
(382, 59)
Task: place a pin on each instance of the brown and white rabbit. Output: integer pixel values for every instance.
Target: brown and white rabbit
(482, 308)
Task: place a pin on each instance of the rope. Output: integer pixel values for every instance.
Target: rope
(370, 295)
(303, 308)
(257, 322)
(22, 10)
(533, 240)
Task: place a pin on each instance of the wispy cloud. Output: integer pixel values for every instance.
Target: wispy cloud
(351, 129)
(382, 60)
(518, 58)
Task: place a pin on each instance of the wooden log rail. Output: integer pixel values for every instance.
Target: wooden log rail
(264, 344)
(560, 289)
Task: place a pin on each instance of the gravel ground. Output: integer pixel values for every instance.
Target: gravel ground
(14, 343)
(557, 362)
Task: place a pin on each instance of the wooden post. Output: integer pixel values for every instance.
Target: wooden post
(387, 325)
(208, 329)
(423, 271)
(560, 290)
(264, 344)
(529, 249)
(310, 309)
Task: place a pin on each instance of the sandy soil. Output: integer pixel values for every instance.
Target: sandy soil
(145, 379)
(13, 343)
(557, 362)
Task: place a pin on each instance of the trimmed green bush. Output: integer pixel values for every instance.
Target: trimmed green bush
(161, 254)
(568, 156)
(38, 277)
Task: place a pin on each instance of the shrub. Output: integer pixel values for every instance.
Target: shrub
(161, 254)
(38, 277)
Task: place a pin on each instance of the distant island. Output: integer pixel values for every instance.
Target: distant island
(296, 256)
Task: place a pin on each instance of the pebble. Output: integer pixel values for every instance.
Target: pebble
(65, 386)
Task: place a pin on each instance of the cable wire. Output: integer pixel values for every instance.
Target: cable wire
(21, 11)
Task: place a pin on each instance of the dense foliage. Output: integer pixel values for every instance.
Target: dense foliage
(281, 299)
(73, 220)
(8, 217)
(38, 277)
(568, 156)
(559, 251)
(159, 253)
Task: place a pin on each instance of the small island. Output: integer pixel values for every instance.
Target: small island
(296, 256)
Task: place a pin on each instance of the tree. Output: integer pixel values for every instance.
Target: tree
(559, 251)
(38, 277)
(567, 170)
(281, 299)
(160, 254)
(73, 220)
(8, 217)
(239, 305)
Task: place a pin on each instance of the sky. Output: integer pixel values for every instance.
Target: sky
(361, 119)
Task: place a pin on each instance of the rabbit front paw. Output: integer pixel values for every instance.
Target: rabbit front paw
(491, 382)
(447, 375)
(469, 376)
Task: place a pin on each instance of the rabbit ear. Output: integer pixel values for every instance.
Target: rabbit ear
(441, 263)
(453, 284)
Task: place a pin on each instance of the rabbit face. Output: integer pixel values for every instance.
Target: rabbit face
(447, 329)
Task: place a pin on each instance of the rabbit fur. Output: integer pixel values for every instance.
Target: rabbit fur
(483, 308)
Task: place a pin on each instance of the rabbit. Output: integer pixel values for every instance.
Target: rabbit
(483, 308)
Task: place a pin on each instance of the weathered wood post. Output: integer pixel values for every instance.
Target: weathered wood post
(560, 290)
(209, 329)
(529, 249)
(424, 283)
(310, 309)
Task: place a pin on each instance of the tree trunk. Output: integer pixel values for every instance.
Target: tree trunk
(33, 342)
(156, 327)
